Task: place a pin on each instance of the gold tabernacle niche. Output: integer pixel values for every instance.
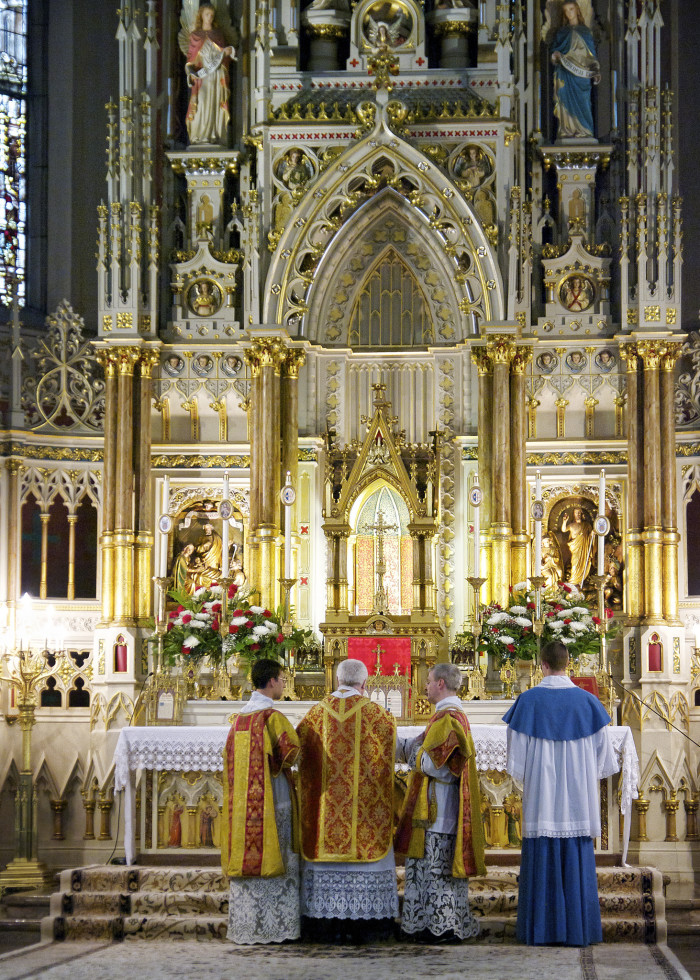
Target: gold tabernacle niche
(381, 516)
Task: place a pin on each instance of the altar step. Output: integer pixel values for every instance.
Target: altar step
(118, 903)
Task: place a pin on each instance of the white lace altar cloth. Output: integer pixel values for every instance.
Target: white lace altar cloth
(201, 749)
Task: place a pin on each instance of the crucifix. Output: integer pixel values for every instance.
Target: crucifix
(381, 599)
(378, 667)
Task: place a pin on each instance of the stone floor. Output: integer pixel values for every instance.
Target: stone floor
(215, 960)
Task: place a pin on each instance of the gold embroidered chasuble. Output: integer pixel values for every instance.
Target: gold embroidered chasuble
(346, 780)
(260, 745)
(448, 742)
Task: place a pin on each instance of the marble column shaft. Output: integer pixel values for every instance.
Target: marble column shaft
(635, 503)
(671, 537)
(109, 485)
(518, 487)
(652, 535)
(124, 506)
(143, 489)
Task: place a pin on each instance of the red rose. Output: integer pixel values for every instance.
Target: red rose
(213, 585)
(511, 648)
(255, 646)
(530, 605)
(250, 624)
(280, 637)
(232, 590)
(238, 612)
(608, 613)
(549, 615)
(233, 629)
(565, 587)
(216, 607)
(566, 622)
(596, 620)
(266, 613)
(179, 610)
(169, 627)
(173, 614)
(186, 651)
(215, 625)
(526, 629)
(186, 618)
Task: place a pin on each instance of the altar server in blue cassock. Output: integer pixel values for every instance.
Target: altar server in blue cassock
(559, 748)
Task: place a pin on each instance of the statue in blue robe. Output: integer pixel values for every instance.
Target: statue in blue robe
(576, 70)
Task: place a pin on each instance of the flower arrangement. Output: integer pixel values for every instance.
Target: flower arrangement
(508, 633)
(193, 630)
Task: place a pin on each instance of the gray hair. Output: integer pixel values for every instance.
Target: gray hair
(352, 673)
(449, 673)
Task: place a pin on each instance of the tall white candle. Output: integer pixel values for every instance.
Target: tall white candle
(162, 570)
(601, 513)
(538, 526)
(477, 536)
(224, 533)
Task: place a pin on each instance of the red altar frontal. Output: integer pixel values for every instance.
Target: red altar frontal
(391, 650)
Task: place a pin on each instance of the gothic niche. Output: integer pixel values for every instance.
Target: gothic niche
(197, 547)
(570, 548)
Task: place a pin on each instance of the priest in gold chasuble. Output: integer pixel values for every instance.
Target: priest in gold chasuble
(440, 829)
(346, 785)
(256, 842)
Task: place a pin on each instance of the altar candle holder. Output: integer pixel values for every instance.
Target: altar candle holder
(537, 582)
(163, 583)
(604, 678)
(224, 620)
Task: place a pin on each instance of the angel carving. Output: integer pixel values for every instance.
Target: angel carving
(567, 29)
(206, 39)
(382, 33)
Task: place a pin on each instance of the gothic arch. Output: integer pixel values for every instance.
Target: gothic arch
(379, 169)
(384, 224)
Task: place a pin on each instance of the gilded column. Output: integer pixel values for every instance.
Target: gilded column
(109, 470)
(502, 352)
(143, 489)
(635, 505)
(484, 366)
(124, 503)
(671, 536)
(72, 521)
(252, 564)
(650, 352)
(14, 468)
(44, 518)
(290, 427)
(271, 352)
(518, 435)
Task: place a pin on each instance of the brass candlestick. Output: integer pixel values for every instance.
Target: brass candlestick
(599, 581)
(289, 687)
(163, 583)
(222, 683)
(537, 582)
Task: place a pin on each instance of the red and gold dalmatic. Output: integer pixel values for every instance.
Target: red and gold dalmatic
(259, 746)
(346, 780)
(448, 741)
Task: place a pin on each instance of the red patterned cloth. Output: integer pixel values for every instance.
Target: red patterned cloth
(393, 650)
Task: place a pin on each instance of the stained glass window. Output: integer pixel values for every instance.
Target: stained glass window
(13, 88)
